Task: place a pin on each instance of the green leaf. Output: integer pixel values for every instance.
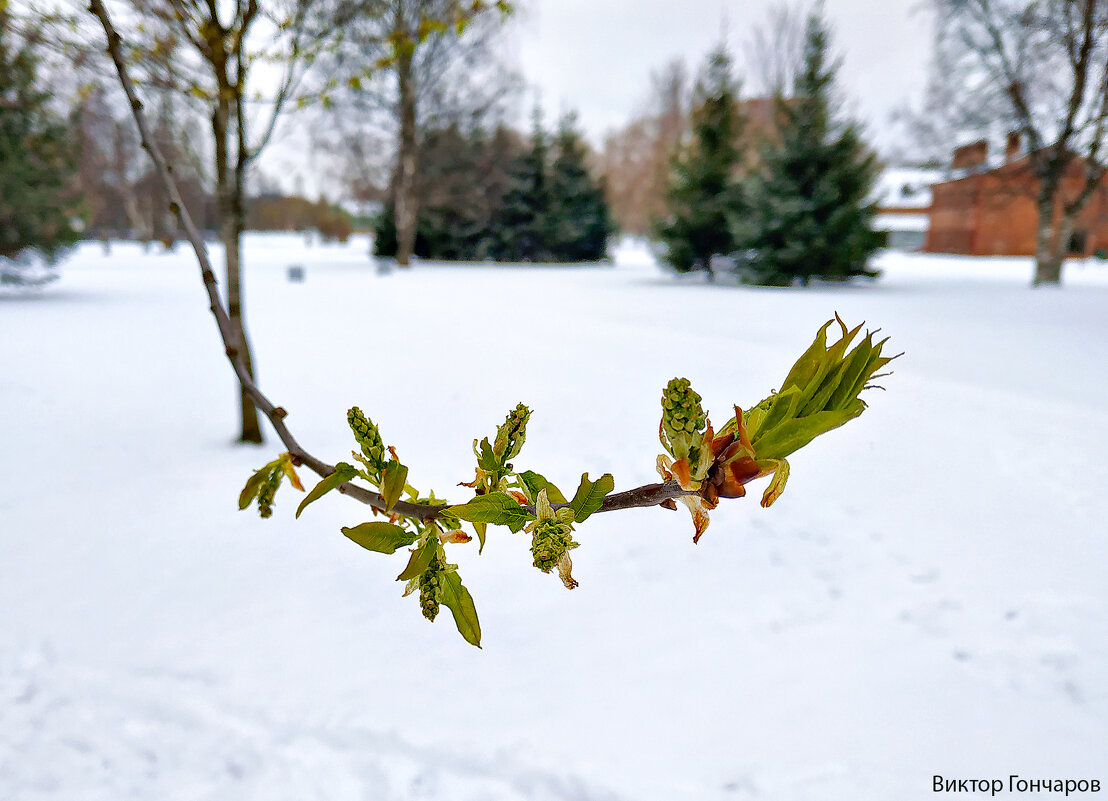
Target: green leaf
(771, 412)
(590, 495)
(874, 362)
(820, 388)
(486, 459)
(533, 484)
(498, 508)
(854, 365)
(393, 478)
(794, 434)
(780, 469)
(253, 485)
(808, 364)
(421, 557)
(480, 528)
(457, 599)
(343, 473)
(380, 537)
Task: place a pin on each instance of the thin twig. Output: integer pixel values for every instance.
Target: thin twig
(648, 495)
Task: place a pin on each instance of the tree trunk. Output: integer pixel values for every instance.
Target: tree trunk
(231, 223)
(1049, 251)
(404, 184)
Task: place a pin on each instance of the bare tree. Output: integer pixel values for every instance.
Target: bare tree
(1039, 67)
(109, 162)
(409, 65)
(775, 49)
(638, 157)
(207, 50)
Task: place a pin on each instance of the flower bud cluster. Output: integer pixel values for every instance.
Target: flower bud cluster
(682, 414)
(267, 492)
(368, 437)
(550, 540)
(431, 586)
(510, 435)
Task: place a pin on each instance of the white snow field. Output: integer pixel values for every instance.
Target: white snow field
(927, 598)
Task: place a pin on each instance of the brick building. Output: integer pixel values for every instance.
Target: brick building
(903, 196)
(986, 210)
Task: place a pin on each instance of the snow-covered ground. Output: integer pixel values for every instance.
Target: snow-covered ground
(928, 596)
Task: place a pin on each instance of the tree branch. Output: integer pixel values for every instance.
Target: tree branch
(648, 495)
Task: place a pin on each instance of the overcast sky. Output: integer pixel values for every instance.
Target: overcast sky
(595, 56)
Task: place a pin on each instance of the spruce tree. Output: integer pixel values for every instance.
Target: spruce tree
(37, 156)
(703, 193)
(522, 220)
(810, 215)
(462, 179)
(579, 221)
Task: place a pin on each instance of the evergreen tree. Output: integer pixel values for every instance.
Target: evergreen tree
(492, 179)
(703, 192)
(463, 175)
(810, 215)
(521, 222)
(37, 156)
(579, 221)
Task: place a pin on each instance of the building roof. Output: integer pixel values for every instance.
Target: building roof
(906, 187)
(901, 222)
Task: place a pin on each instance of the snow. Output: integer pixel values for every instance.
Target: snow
(927, 597)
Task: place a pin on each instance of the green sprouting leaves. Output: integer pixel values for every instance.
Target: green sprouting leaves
(493, 459)
(263, 484)
(820, 393)
(380, 537)
(493, 467)
(590, 495)
(498, 508)
(343, 473)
